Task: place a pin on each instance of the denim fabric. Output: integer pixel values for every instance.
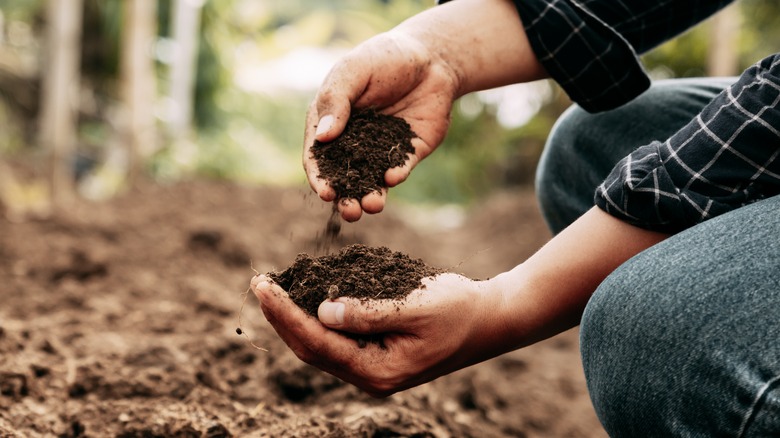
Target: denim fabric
(583, 148)
(684, 338)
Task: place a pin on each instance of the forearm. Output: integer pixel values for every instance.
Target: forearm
(483, 41)
(547, 294)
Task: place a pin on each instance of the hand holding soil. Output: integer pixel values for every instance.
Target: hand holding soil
(448, 321)
(397, 76)
(355, 163)
(447, 324)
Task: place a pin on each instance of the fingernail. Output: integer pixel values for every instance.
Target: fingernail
(324, 125)
(259, 287)
(331, 313)
(256, 280)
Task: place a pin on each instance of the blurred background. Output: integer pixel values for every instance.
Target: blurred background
(97, 96)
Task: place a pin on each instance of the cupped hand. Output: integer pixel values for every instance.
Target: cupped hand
(395, 74)
(450, 323)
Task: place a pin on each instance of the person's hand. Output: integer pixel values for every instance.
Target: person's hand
(449, 324)
(415, 71)
(396, 75)
(452, 322)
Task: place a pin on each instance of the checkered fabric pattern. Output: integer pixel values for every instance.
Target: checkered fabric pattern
(590, 47)
(723, 159)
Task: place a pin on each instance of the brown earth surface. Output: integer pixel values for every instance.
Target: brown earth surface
(119, 319)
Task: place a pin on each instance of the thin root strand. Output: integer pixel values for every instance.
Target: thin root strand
(240, 331)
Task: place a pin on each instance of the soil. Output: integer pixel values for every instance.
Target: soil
(357, 271)
(356, 161)
(119, 319)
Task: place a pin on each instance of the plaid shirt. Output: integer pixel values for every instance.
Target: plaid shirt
(725, 158)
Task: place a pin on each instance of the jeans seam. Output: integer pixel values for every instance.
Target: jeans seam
(755, 406)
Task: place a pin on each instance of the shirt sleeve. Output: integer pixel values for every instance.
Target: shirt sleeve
(725, 158)
(590, 47)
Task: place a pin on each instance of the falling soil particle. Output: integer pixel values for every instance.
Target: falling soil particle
(357, 271)
(325, 240)
(355, 162)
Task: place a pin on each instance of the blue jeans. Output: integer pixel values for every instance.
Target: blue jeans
(684, 338)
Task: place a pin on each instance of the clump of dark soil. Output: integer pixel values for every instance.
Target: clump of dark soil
(357, 271)
(355, 163)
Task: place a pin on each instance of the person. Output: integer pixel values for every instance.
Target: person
(670, 268)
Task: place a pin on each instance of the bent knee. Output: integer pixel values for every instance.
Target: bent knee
(670, 351)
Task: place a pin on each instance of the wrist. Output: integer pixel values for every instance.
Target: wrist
(498, 322)
(513, 320)
(481, 42)
(471, 326)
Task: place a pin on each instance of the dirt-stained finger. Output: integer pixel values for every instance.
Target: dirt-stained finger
(342, 87)
(376, 316)
(311, 342)
(319, 185)
(397, 175)
(349, 209)
(374, 202)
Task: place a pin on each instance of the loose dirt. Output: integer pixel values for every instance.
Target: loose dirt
(356, 161)
(355, 164)
(357, 271)
(119, 320)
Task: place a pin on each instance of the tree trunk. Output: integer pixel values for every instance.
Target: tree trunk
(60, 96)
(138, 84)
(186, 24)
(723, 59)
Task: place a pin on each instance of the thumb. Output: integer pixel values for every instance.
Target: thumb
(355, 316)
(333, 109)
(341, 88)
(331, 126)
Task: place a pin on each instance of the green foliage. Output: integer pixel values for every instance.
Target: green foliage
(760, 35)
(478, 156)
(684, 56)
(212, 75)
(258, 137)
(212, 65)
(100, 43)
(28, 11)
(455, 172)
(11, 134)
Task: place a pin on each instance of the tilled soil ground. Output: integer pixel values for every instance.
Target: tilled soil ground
(119, 319)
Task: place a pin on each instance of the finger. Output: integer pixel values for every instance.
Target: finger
(341, 88)
(319, 185)
(374, 202)
(397, 175)
(369, 317)
(393, 316)
(271, 296)
(319, 346)
(350, 209)
(275, 302)
(257, 279)
(307, 338)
